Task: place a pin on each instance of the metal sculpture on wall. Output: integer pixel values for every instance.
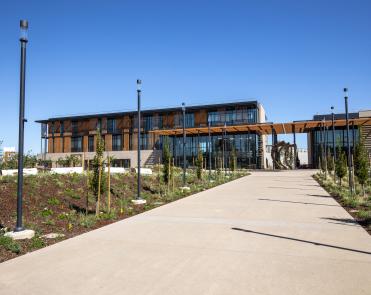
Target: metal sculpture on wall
(283, 155)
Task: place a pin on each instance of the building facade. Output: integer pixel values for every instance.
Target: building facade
(320, 140)
(77, 135)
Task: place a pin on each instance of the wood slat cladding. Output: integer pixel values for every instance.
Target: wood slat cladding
(67, 144)
(58, 144)
(67, 126)
(108, 142)
(127, 122)
(126, 138)
(50, 145)
(92, 124)
(85, 144)
(201, 118)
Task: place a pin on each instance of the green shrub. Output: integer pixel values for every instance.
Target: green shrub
(364, 214)
(46, 212)
(37, 243)
(53, 201)
(87, 220)
(72, 194)
(10, 245)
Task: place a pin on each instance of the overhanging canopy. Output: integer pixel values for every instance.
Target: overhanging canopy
(266, 128)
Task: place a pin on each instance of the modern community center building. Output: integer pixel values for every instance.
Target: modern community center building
(216, 130)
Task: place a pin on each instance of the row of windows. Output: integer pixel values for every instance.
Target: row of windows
(149, 122)
(117, 143)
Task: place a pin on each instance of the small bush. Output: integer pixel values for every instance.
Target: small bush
(10, 245)
(37, 243)
(46, 212)
(53, 201)
(87, 220)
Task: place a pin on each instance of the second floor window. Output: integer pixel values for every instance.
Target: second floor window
(74, 126)
(111, 125)
(76, 144)
(117, 142)
(91, 144)
(62, 127)
(189, 120)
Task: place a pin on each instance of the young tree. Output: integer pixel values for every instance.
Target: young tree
(361, 164)
(98, 180)
(166, 158)
(341, 165)
(330, 163)
(233, 160)
(199, 163)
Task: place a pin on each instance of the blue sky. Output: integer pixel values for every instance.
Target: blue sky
(295, 57)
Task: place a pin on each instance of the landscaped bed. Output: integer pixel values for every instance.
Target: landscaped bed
(57, 204)
(358, 205)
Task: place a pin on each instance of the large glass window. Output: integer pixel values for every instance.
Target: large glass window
(62, 127)
(76, 144)
(189, 120)
(99, 124)
(233, 117)
(147, 122)
(117, 142)
(111, 125)
(91, 143)
(74, 126)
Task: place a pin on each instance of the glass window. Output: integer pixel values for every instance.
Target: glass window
(99, 124)
(111, 126)
(91, 143)
(76, 144)
(74, 127)
(117, 142)
(62, 127)
(147, 123)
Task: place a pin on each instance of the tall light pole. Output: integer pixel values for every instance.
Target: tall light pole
(184, 144)
(208, 124)
(23, 39)
(224, 149)
(348, 142)
(333, 139)
(139, 91)
(333, 134)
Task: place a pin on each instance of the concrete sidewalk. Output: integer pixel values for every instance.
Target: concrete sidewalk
(268, 233)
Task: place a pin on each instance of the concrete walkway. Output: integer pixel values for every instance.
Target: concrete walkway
(268, 233)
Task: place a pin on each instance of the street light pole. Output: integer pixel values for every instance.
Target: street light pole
(333, 140)
(139, 82)
(348, 142)
(208, 123)
(23, 39)
(184, 144)
(224, 149)
(333, 134)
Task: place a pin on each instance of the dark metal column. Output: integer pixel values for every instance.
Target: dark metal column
(295, 150)
(139, 82)
(184, 145)
(22, 120)
(348, 142)
(209, 149)
(333, 135)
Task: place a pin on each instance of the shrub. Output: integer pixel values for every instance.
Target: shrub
(10, 245)
(53, 201)
(37, 243)
(46, 212)
(361, 164)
